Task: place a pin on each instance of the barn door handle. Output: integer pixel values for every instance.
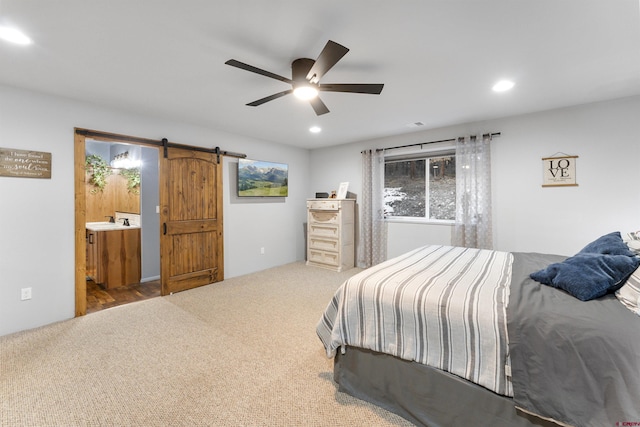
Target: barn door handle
(164, 228)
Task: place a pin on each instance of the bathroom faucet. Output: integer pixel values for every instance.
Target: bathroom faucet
(110, 218)
(125, 221)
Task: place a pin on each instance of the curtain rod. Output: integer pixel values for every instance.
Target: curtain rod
(431, 142)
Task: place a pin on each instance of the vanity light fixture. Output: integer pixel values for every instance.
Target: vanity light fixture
(14, 35)
(122, 161)
(315, 129)
(503, 86)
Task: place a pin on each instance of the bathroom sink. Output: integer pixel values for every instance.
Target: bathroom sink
(105, 226)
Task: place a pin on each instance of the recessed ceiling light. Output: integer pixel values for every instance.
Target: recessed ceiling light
(13, 35)
(315, 129)
(503, 85)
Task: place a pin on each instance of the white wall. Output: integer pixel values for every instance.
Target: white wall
(275, 224)
(562, 220)
(527, 217)
(37, 215)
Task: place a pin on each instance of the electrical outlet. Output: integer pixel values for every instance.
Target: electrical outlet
(261, 251)
(25, 294)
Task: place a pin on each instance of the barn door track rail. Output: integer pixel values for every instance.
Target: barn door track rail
(164, 143)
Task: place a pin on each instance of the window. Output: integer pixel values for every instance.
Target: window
(421, 187)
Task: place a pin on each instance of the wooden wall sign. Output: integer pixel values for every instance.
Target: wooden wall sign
(25, 163)
(559, 171)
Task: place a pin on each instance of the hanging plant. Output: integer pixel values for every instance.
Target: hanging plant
(99, 170)
(133, 179)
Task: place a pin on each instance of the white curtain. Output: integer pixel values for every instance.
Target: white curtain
(473, 193)
(373, 227)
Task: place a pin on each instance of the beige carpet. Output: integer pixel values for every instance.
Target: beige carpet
(242, 352)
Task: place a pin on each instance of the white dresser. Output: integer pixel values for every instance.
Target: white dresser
(330, 233)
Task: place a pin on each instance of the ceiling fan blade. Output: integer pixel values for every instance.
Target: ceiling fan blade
(270, 98)
(256, 70)
(373, 89)
(318, 106)
(330, 55)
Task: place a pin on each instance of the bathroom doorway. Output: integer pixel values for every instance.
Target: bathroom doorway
(191, 240)
(146, 205)
(131, 192)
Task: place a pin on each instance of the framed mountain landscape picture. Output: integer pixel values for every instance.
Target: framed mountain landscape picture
(257, 178)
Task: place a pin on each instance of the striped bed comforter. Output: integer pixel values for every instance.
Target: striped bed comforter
(440, 306)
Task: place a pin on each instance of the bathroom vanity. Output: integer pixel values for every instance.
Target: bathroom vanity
(113, 254)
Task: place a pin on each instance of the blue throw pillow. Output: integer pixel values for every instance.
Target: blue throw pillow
(611, 244)
(600, 267)
(588, 276)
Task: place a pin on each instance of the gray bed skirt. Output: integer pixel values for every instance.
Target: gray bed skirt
(424, 395)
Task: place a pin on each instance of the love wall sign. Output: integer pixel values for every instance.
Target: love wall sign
(25, 163)
(559, 171)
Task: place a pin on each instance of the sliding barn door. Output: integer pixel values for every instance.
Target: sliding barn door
(191, 244)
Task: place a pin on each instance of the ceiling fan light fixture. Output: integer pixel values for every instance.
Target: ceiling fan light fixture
(305, 78)
(305, 92)
(13, 35)
(503, 86)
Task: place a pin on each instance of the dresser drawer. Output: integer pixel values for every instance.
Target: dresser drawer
(323, 217)
(323, 205)
(319, 230)
(323, 257)
(324, 244)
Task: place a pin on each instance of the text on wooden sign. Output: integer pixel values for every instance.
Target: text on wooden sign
(25, 163)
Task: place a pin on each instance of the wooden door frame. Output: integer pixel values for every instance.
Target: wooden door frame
(79, 178)
(79, 152)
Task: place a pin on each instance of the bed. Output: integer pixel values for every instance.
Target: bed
(448, 336)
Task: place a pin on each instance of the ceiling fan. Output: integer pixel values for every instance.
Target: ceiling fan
(305, 78)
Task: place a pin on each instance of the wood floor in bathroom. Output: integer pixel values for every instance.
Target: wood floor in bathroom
(99, 298)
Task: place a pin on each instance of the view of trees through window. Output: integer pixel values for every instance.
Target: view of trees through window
(421, 188)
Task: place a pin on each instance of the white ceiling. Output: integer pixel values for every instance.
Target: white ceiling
(438, 59)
